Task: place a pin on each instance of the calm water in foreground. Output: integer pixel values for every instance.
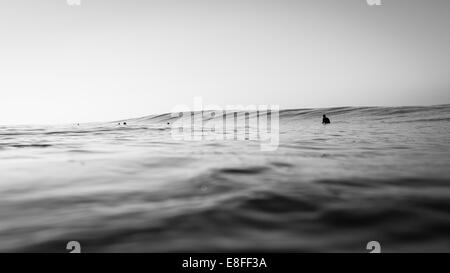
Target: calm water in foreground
(374, 174)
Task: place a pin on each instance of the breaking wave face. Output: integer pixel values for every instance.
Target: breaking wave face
(374, 174)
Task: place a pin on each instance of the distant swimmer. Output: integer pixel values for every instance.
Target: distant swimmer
(124, 123)
(325, 120)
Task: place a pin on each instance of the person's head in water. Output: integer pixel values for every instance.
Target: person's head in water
(325, 120)
(124, 123)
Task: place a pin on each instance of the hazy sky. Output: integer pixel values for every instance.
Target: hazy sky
(114, 59)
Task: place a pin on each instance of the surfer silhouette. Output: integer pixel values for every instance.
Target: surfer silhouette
(325, 120)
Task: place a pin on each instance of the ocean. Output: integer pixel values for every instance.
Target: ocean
(374, 174)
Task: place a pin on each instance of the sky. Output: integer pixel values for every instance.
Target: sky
(107, 60)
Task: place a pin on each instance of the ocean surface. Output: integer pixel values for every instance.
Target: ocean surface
(374, 174)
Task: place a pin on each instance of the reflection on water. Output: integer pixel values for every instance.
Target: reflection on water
(378, 174)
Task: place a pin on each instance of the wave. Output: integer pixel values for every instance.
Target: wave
(163, 122)
(427, 113)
